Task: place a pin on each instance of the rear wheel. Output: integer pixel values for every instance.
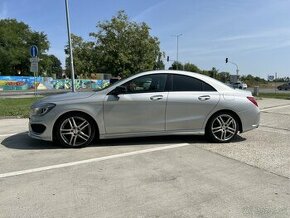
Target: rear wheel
(74, 130)
(222, 127)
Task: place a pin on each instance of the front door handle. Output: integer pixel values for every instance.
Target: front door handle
(156, 97)
(204, 98)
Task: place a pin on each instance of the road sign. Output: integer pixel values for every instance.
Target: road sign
(270, 77)
(34, 64)
(33, 51)
(34, 59)
(34, 67)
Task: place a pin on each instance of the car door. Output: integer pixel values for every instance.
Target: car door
(140, 109)
(189, 103)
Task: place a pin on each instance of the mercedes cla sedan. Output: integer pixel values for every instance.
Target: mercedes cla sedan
(146, 104)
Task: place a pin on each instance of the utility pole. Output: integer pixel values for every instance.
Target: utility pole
(70, 47)
(177, 42)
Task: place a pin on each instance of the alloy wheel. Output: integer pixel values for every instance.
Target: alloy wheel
(75, 131)
(224, 127)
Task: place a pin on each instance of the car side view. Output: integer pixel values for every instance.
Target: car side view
(147, 104)
(285, 86)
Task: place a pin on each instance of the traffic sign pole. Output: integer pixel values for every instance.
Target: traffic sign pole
(34, 64)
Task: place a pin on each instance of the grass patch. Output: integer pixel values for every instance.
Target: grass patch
(277, 95)
(19, 107)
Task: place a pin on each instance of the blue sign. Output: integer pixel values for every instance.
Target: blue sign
(33, 51)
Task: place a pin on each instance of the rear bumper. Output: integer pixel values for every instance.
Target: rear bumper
(250, 119)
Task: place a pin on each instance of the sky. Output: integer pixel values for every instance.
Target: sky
(254, 34)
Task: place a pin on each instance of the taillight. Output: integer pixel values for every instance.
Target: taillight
(253, 100)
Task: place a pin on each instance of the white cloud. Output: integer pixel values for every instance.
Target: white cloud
(148, 11)
(266, 34)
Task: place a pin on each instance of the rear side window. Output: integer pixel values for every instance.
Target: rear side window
(187, 83)
(207, 88)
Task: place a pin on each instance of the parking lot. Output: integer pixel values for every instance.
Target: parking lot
(177, 176)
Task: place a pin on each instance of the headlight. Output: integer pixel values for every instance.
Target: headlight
(40, 110)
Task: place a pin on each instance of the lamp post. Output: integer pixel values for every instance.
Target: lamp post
(177, 40)
(237, 70)
(70, 47)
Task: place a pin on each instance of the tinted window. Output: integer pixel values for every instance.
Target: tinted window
(207, 87)
(186, 83)
(149, 83)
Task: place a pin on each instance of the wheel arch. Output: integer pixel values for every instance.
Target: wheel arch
(97, 131)
(227, 111)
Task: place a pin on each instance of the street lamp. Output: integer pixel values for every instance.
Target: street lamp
(177, 39)
(237, 70)
(70, 47)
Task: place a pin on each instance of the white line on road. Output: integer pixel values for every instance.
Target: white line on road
(7, 135)
(275, 107)
(98, 159)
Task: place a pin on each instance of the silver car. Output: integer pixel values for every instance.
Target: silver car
(146, 104)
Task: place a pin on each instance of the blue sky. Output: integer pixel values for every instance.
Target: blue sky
(253, 33)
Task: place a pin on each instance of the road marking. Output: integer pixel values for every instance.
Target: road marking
(7, 135)
(275, 107)
(98, 159)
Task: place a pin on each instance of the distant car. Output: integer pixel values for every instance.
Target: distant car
(146, 104)
(240, 85)
(285, 86)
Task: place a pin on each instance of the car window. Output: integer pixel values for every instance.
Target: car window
(187, 83)
(148, 83)
(207, 88)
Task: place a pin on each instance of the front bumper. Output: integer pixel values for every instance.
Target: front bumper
(46, 122)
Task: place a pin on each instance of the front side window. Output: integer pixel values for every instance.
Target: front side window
(148, 83)
(187, 83)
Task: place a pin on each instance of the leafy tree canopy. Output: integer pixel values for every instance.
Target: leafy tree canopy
(124, 47)
(15, 40)
(50, 65)
(83, 53)
(176, 66)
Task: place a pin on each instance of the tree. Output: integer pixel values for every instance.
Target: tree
(213, 73)
(49, 65)
(125, 47)
(191, 68)
(176, 66)
(224, 76)
(15, 40)
(84, 62)
(159, 65)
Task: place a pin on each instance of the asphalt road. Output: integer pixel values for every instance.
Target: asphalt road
(150, 177)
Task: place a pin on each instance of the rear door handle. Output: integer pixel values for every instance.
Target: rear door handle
(204, 98)
(156, 97)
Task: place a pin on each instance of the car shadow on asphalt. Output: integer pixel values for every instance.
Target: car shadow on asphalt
(22, 141)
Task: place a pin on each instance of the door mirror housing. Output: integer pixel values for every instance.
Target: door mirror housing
(118, 90)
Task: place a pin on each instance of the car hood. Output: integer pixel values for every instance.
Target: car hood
(66, 97)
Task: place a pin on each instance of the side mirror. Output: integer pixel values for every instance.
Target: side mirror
(118, 90)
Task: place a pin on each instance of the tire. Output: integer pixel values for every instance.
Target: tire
(74, 130)
(222, 127)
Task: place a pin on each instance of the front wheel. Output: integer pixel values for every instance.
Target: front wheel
(222, 127)
(74, 130)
